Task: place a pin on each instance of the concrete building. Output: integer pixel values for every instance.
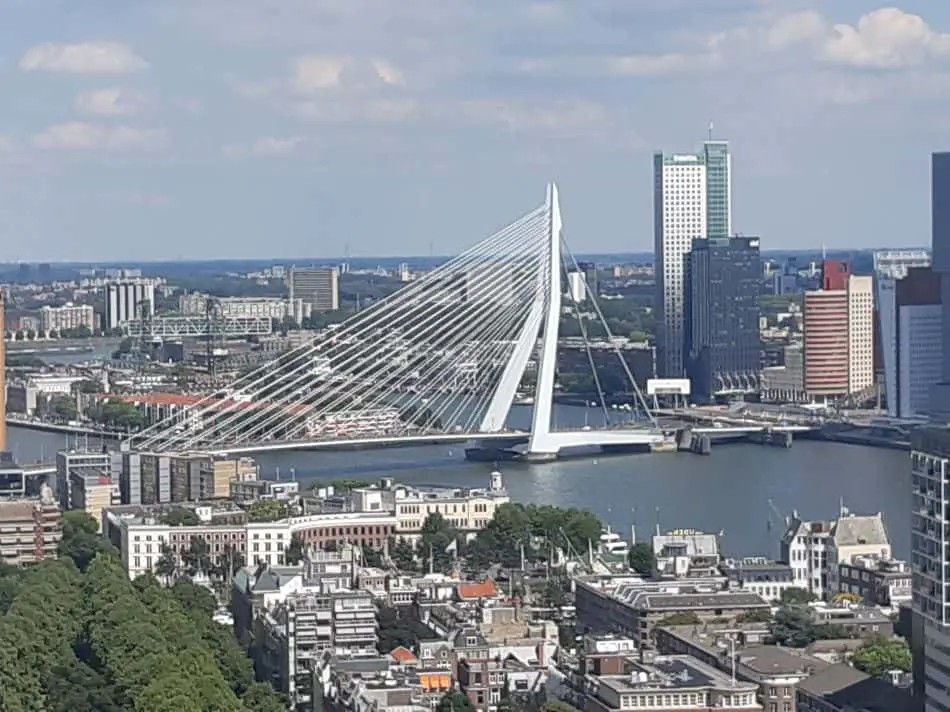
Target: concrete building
(686, 553)
(30, 529)
(12, 477)
(139, 532)
(197, 304)
(127, 301)
(93, 493)
(940, 248)
(890, 266)
(692, 199)
(930, 473)
(67, 318)
(917, 357)
(469, 510)
(158, 478)
(576, 287)
(759, 575)
(839, 334)
(815, 550)
(722, 279)
(30, 395)
(70, 463)
(319, 287)
(786, 383)
(877, 581)
(295, 617)
(634, 607)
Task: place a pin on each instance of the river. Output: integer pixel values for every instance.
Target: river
(729, 490)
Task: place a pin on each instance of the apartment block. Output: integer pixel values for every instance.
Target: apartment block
(30, 529)
(67, 318)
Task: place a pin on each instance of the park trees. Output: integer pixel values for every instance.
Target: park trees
(881, 655)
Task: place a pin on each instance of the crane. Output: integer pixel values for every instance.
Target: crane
(782, 520)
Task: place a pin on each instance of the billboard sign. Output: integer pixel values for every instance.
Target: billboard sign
(668, 387)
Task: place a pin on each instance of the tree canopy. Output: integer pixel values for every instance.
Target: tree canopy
(881, 655)
(74, 640)
(641, 558)
(537, 529)
(794, 627)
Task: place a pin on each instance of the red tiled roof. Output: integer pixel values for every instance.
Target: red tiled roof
(485, 589)
(403, 655)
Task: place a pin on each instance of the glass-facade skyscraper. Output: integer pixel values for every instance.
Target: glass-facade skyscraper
(721, 335)
(692, 199)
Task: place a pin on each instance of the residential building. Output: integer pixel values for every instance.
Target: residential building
(917, 358)
(12, 477)
(842, 688)
(469, 510)
(815, 550)
(481, 676)
(591, 278)
(292, 617)
(877, 581)
(78, 462)
(139, 532)
(839, 334)
(890, 266)
(67, 318)
(634, 607)
(671, 682)
(692, 199)
(128, 301)
(759, 575)
(157, 478)
(92, 492)
(30, 529)
(686, 553)
(319, 287)
(722, 279)
(930, 475)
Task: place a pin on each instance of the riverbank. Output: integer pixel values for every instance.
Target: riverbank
(62, 428)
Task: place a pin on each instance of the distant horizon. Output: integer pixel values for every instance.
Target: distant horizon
(613, 257)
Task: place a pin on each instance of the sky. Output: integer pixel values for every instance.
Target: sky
(203, 129)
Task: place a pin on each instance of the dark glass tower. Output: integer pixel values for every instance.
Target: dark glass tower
(940, 247)
(722, 345)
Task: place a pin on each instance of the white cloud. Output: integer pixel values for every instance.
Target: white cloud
(83, 58)
(80, 136)
(315, 72)
(388, 73)
(653, 65)
(886, 38)
(109, 102)
(266, 147)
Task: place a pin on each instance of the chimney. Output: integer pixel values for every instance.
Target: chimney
(3, 375)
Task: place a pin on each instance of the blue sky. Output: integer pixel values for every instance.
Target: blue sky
(194, 129)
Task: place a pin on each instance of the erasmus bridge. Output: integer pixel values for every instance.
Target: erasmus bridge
(443, 359)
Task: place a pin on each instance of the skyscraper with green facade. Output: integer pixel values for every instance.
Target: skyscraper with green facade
(692, 199)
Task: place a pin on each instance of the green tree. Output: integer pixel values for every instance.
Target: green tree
(557, 706)
(296, 550)
(455, 701)
(260, 697)
(197, 557)
(267, 510)
(793, 626)
(180, 517)
(880, 656)
(757, 616)
(438, 544)
(81, 541)
(62, 407)
(796, 596)
(372, 557)
(641, 558)
(167, 564)
(403, 555)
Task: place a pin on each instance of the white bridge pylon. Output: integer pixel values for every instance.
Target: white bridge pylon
(442, 356)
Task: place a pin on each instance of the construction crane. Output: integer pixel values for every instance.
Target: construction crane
(782, 519)
(215, 318)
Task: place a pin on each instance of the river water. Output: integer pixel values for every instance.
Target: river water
(729, 490)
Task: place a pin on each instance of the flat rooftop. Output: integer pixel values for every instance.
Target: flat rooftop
(671, 673)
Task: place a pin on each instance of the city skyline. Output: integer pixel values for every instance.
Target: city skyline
(193, 130)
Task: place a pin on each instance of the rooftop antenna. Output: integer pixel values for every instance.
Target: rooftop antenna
(709, 130)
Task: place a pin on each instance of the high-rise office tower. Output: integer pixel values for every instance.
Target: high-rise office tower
(917, 354)
(839, 334)
(889, 267)
(317, 286)
(692, 199)
(940, 248)
(930, 622)
(722, 345)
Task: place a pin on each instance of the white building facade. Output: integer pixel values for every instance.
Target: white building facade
(692, 198)
(860, 333)
(127, 301)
